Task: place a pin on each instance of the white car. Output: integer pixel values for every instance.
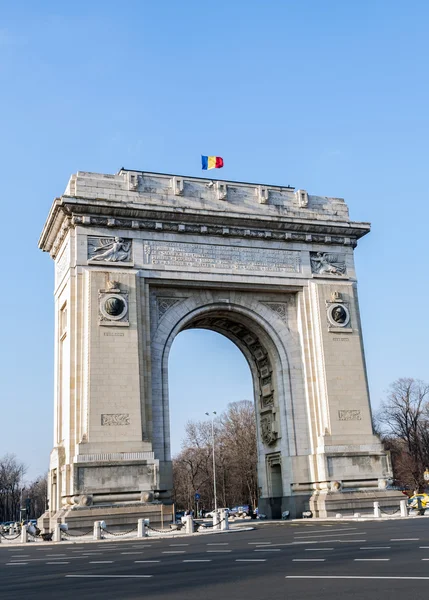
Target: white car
(210, 515)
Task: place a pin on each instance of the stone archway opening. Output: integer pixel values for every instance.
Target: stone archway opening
(206, 371)
(258, 350)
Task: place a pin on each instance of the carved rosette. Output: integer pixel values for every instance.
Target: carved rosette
(164, 304)
(280, 308)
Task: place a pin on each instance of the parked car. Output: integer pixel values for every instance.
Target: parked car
(241, 511)
(210, 514)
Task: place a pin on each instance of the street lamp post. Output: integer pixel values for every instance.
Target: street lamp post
(214, 461)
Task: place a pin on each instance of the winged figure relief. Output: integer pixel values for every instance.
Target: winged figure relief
(116, 250)
(325, 262)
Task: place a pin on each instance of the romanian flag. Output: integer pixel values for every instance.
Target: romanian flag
(211, 162)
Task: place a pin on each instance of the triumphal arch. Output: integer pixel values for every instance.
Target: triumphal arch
(139, 257)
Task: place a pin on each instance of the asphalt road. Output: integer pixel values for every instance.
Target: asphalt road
(383, 560)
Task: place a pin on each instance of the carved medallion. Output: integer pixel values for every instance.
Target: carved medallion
(338, 315)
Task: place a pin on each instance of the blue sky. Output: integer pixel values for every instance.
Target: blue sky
(327, 96)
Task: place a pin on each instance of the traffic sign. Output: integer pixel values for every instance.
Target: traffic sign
(197, 496)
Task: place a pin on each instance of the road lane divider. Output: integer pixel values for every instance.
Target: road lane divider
(109, 576)
(308, 559)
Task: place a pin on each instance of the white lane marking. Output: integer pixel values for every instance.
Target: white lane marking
(100, 562)
(375, 548)
(250, 560)
(310, 534)
(179, 544)
(147, 561)
(404, 539)
(218, 551)
(218, 544)
(423, 546)
(348, 541)
(258, 543)
(111, 576)
(317, 549)
(19, 555)
(16, 563)
(142, 546)
(42, 559)
(134, 552)
(173, 551)
(302, 537)
(371, 559)
(425, 558)
(57, 563)
(308, 560)
(55, 555)
(267, 550)
(351, 577)
(192, 560)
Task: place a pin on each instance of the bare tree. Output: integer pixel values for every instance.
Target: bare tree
(35, 496)
(235, 456)
(11, 483)
(403, 422)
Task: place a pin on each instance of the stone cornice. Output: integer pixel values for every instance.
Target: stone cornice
(71, 211)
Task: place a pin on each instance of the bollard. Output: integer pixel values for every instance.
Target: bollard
(24, 534)
(12, 529)
(141, 529)
(403, 507)
(97, 530)
(57, 533)
(377, 512)
(189, 524)
(224, 520)
(216, 520)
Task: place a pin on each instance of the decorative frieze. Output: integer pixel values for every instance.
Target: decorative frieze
(118, 419)
(349, 415)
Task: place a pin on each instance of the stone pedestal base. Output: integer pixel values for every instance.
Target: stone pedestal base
(328, 504)
(118, 517)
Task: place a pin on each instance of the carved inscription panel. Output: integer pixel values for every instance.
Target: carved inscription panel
(225, 258)
(349, 415)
